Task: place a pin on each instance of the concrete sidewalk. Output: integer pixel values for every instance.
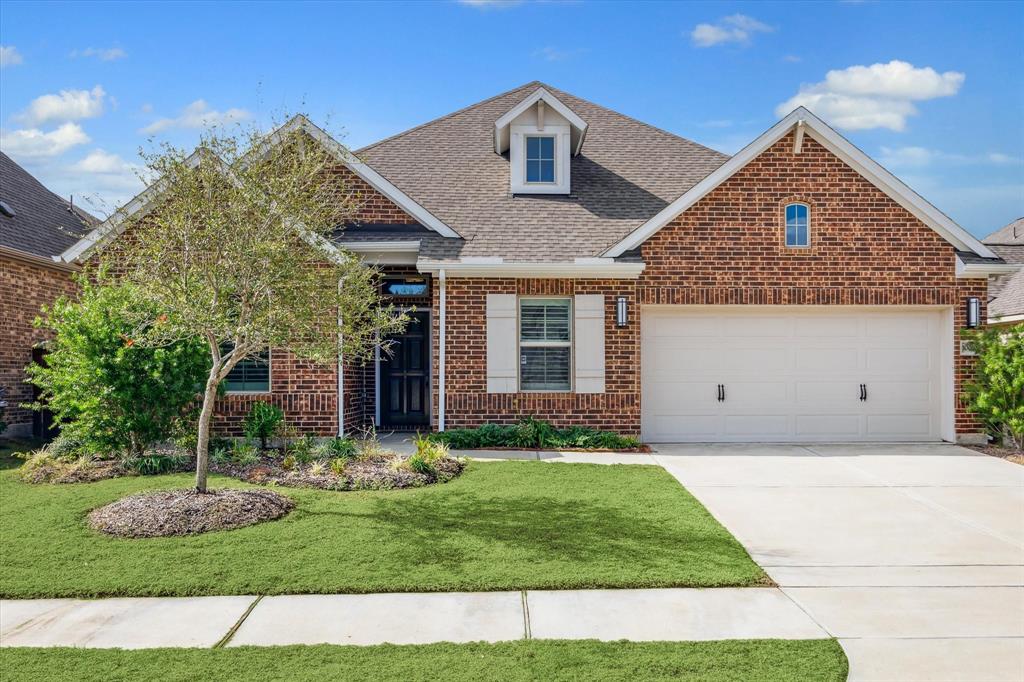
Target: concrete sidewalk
(364, 619)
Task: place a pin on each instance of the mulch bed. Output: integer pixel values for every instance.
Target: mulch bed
(372, 473)
(1009, 454)
(187, 512)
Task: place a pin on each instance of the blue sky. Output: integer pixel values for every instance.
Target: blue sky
(933, 91)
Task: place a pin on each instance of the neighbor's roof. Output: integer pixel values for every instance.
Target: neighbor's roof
(43, 224)
(1008, 293)
(626, 173)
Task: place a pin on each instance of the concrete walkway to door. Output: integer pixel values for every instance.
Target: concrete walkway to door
(911, 555)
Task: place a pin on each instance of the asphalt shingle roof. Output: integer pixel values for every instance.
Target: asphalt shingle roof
(1008, 292)
(43, 223)
(626, 172)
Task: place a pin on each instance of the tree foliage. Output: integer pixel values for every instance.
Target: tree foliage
(236, 255)
(997, 390)
(105, 391)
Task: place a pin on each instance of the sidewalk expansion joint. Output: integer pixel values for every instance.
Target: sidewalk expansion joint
(526, 617)
(234, 628)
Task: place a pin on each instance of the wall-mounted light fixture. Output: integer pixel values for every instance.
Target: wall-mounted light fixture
(973, 311)
(621, 313)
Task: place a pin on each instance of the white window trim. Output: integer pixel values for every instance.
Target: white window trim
(554, 159)
(785, 225)
(570, 344)
(517, 159)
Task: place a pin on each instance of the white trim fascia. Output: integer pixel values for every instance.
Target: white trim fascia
(564, 270)
(1006, 319)
(48, 262)
(383, 246)
(500, 140)
(965, 270)
(838, 145)
(364, 171)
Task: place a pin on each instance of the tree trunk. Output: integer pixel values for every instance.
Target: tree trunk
(203, 441)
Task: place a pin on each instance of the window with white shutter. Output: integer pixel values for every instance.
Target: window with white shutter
(502, 369)
(589, 342)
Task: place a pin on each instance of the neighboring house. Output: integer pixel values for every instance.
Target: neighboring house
(573, 264)
(36, 226)
(1006, 292)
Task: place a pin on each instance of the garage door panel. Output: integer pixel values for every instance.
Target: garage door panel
(756, 426)
(828, 359)
(790, 374)
(813, 426)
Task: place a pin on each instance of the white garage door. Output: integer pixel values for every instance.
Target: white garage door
(789, 374)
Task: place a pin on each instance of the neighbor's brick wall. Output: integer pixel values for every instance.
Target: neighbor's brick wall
(24, 288)
(728, 249)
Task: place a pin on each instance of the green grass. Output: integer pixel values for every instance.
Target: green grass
(501, 525)
(762, 660)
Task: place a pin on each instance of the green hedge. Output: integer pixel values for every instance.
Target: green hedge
(534, 433)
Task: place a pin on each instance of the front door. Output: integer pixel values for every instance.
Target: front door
(405, 376)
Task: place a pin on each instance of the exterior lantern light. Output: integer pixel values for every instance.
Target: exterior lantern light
(973, 312)
(621, 313)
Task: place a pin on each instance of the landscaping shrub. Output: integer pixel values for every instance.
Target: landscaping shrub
(64, 447)
(263, 422)
(154, 463)
(106, 391)
(997, 390)
(303, 449)
(338, 465)
(342, 447)
(417, 463)
(245, 454)
(534, 433)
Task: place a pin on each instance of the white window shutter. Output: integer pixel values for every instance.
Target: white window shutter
(502, 359)
(588, 334)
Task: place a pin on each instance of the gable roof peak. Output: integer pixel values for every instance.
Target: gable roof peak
(541, 93)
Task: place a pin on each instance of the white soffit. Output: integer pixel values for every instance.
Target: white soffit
(836, 144)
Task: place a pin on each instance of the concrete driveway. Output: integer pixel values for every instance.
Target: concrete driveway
(912, 555)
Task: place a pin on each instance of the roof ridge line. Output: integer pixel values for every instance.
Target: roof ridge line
(448, 115)
(638, 121)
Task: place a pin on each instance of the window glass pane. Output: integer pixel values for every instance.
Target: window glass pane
(797, 231)
(547, 147)
(791, 234)
(547, 171)
(251, 374)
(801, 235)
(533, 171)
(544, 369)
(404, 288)
(544, 319)
(533, 147)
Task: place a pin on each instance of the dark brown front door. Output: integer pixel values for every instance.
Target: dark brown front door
(405, 376)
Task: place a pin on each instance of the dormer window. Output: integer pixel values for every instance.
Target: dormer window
(540, 158)
(541, 135)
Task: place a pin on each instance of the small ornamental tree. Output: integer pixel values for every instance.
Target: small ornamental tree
(997, 390)
(236, 255)
(105, 391)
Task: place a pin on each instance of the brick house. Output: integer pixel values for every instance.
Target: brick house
(571, 263)
(36, 226)
(1006, 291)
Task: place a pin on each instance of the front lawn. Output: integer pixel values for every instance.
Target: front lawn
(763, 660)
(500, 526)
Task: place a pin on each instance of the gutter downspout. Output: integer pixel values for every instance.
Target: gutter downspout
(440, 350)
(341, 376)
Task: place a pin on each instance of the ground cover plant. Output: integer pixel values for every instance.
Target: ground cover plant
(498, 526)
(537, 434)
(762, 660)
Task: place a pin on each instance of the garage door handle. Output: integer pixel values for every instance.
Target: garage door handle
(721, 392)
(863, 392)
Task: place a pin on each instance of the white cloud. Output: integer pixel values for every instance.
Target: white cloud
(107, 54)
(9, 55)
(100, 161)
(68, 105)
(792, 59)
(736, 28)
(197, 115)
(876, 96)
(919, 157)
(33, 144)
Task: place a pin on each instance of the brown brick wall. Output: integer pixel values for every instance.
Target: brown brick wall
(728, 249)
(24, 288)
